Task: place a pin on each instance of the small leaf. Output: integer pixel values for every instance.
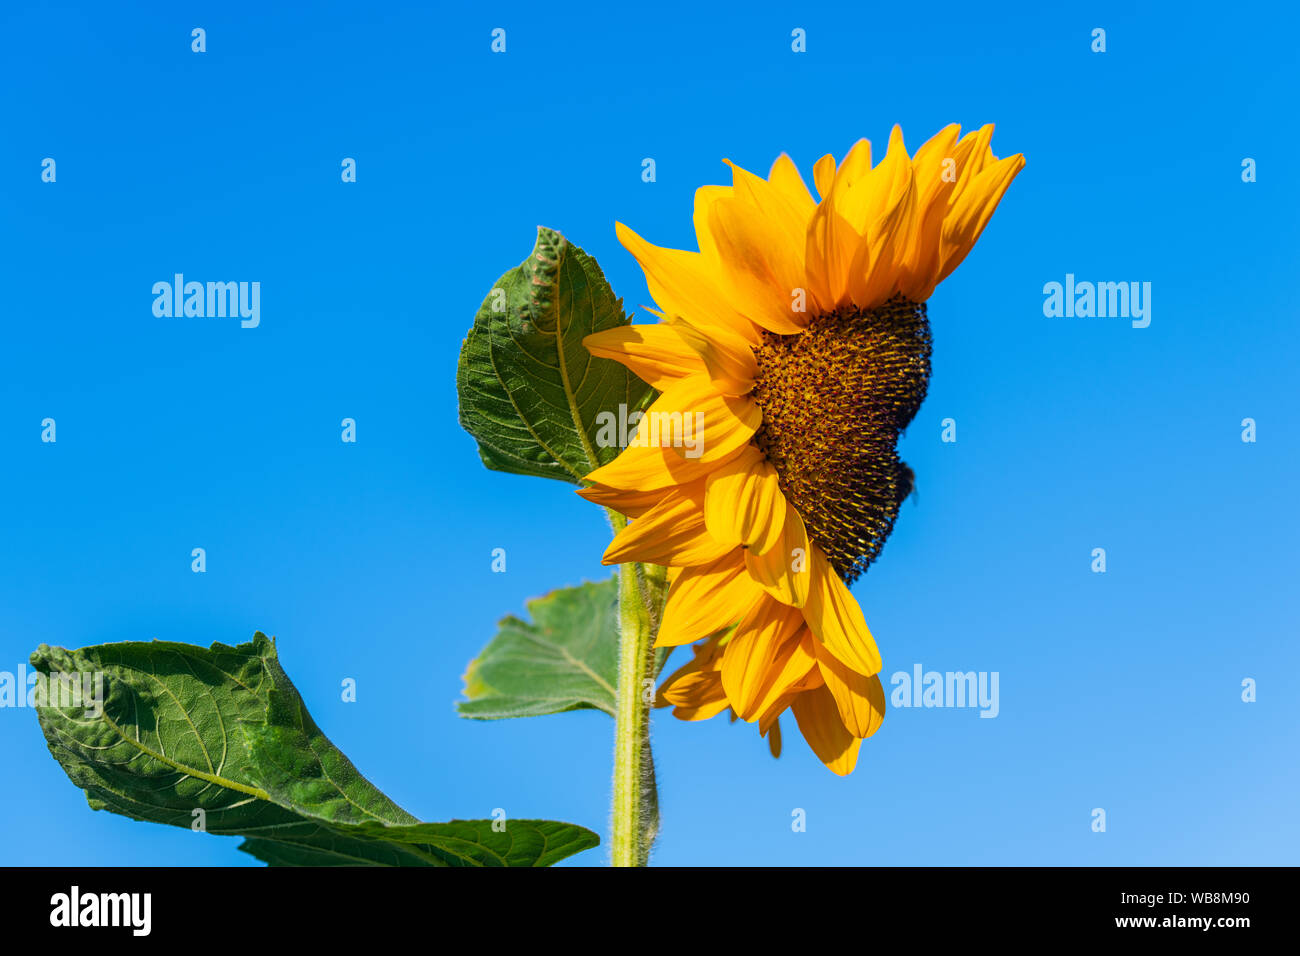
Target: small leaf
(529, 391)
(566, 659)
(181, 734)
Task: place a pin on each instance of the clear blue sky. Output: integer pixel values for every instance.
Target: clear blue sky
(1119, 690)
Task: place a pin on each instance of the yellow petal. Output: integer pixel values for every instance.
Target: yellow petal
(880, 205)
(784, 571)
(705, 197)
(752, 652)
(810, 681)
(630, 503)
(743, 503)
(786, 206)
(929, 159)
(770, 716)
(726, 356)
(774, 738)
(656, 354)
(835, 619)
(686, 284)
(701, 712)
(694, 689)
(698, 422)
(645, 468)
(672, 534)
(762, 266)
(696, 683)
(967, 217)
(820, 724)
(862, 193)
(972, 155)
(785, 178)
(828, 252)
(935, 169)
(876, 267)
(706, 599)
(859, 698)
(794, 670)
(824, 175)
(832, 239)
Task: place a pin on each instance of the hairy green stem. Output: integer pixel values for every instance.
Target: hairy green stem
(635, 808)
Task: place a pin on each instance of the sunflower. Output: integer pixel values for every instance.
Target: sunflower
(792, 350)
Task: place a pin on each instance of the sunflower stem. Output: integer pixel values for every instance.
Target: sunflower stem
(635, 802)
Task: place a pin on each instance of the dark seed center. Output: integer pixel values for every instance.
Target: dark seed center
(834, 401)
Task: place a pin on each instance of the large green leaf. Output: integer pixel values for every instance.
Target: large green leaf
(222, 730)
(565, 659)
(530, 393)
(458, 843)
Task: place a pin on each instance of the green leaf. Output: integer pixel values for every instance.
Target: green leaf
(458, 843)
(565, 659)
(175, 729)
(530, 393)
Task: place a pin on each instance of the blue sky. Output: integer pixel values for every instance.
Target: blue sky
(1119, 690)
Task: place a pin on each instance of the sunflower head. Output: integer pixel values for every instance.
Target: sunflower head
(793, 349)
